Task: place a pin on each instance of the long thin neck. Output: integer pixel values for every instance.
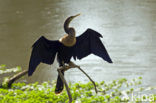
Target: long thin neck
(66, 24)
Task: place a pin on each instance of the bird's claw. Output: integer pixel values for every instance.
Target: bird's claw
(66, 67)
(63, 68)
(73, 65)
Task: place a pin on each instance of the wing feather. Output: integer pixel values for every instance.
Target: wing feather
(89, 43)
(43, 50)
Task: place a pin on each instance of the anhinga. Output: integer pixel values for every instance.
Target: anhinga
(65, 48)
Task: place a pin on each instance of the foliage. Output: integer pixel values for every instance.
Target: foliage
(116, 91)
(112, 92)
(4, 70)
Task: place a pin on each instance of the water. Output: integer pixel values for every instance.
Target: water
(128, 28)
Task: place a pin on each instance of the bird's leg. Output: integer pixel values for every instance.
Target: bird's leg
(64, 81)
(72, 65)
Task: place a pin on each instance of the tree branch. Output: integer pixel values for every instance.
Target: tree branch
(66, 85)
(15, 77)
(89, 78)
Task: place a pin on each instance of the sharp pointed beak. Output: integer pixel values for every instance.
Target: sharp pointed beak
(76, 15)
(67, 21)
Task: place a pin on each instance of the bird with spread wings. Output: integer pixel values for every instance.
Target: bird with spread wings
(45, 51)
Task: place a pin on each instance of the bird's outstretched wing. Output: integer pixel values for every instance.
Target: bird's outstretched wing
(43, 50)
(89, 43)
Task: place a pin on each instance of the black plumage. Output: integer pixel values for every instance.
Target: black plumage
(45, 50)
(68, 46)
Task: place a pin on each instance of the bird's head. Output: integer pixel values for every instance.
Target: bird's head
(69, 30)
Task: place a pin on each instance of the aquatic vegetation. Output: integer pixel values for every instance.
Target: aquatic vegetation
(116, 91)
(4, 70)
(113, 92)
